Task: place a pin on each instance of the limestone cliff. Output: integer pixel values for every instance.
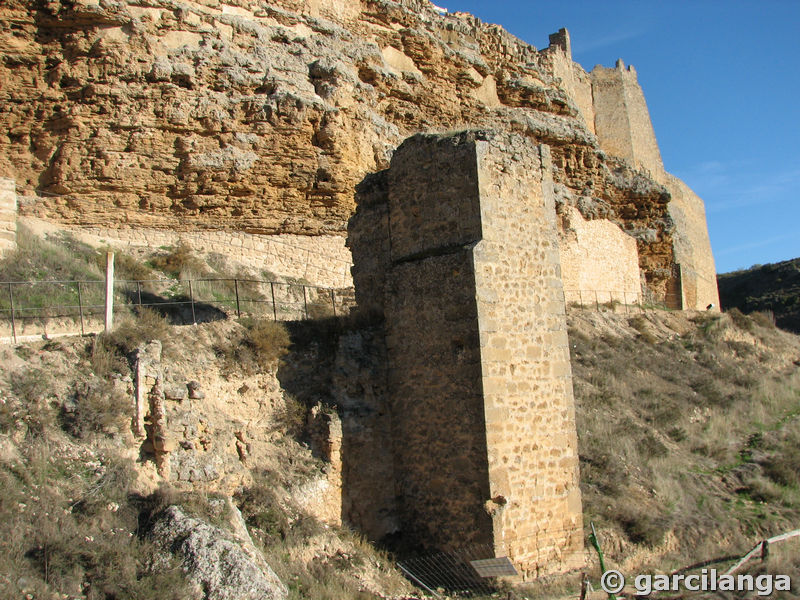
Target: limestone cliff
(262, 117)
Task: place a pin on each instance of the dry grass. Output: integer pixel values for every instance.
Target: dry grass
(260, 344)
(179, 261)
(131, 332)
(269, 339)
(281, 530)
(688, 435)
(67, 529)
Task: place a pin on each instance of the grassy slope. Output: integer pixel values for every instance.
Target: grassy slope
(774, 287)
(689, 433)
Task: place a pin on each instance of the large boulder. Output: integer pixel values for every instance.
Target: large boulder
(224, 567)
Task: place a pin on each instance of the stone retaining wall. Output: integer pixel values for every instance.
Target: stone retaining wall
(8, 215)
(320, 260)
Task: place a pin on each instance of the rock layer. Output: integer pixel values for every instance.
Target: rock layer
(263, 117)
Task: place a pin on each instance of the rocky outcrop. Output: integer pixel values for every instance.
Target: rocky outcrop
(222, 566)
(262, 117)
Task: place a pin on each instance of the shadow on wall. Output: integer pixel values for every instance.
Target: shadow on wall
(336, 369)
(176, 310)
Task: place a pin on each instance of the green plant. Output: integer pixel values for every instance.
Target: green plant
(71, 531)
(179, 261)
(269, 339)
(97, 407)
(131, 332)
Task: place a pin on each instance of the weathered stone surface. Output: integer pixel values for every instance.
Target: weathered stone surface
(195, 393)
(8, 216)
(262, 117)
(479, 380)
(599, 261)
(177, 393)
(214, 559)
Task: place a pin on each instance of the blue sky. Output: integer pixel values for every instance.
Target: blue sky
(722, 83)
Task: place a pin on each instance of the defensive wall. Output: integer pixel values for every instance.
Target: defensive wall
(457, 245)
(320, 260)
(599, 261)
(8, 215)
(614, 108)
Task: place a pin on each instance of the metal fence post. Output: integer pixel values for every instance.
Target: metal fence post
(236, 288)
(13, 320)
(274, 308)
(109, 291)
(305, 301)
(333, 302)
(596, 301)
(80, 307)
(191, 300)
(139, 292)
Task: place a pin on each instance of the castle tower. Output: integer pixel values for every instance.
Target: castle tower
(622, 121)
(623, 127)
(484, 438)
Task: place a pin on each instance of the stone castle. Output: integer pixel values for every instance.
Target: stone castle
(250, 127)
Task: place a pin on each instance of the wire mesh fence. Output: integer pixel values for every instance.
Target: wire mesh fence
(480, 570)
(44, 307)
(629, 301)
(451, 572)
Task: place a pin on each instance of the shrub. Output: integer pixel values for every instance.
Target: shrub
(269, 339)
(29, 404)
(144, 326)
(70, 531)
(290, 416)
(179, 262)
(740, 319)
(126, 267)
(96, 408)
(764, 318)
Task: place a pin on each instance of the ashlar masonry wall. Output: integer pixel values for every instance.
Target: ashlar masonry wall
(621, 119)
(8, 215)
(599, 261)
(483, 425)
(623, 127)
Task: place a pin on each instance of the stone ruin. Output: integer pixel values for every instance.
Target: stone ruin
(456, 245)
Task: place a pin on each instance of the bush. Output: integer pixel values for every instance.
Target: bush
(764, 318)
(126, 267)
(290, 417)
(179, 262)
(67, 530)
(740, 319)
(269, 339)
(146, 325)
(29, 405)
(96, 408)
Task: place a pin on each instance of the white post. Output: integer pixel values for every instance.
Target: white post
(109, 290)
